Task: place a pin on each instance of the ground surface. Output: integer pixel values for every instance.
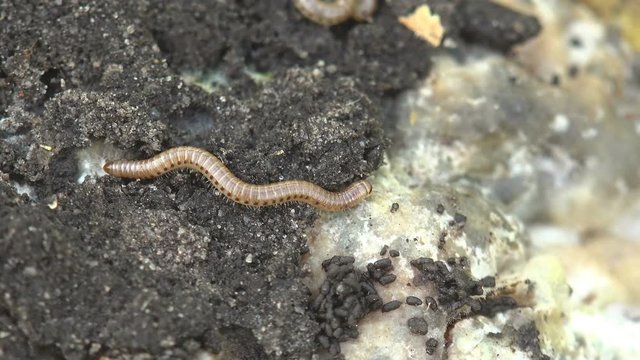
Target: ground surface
(166, 267)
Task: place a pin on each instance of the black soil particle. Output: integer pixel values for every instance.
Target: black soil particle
(391, 305)
(431, 345)
(442, 240)
(528, 340)
(413, 301)
(488, 281)
(431, 303)
(525, 338)
(418, 325)
(394, 207)
(459, 219)
(383, 264)
(387, 279)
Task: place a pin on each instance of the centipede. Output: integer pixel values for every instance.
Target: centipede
(332, 13)
(233, 187)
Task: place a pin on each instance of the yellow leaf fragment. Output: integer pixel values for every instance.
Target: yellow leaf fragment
(424, 24)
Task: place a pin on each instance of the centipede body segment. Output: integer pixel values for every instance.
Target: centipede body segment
(235, 189)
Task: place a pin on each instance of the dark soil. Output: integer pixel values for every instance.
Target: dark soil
(165, 268)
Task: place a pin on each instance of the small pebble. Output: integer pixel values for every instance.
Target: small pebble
(418, 325)
(387, 279)
(431, 303)
(395, 207)
(384, 250)
(391, 305)
(431, 344)
(459, 219)
(394, 253)
(413, 301)
(440, 209)
(488, 281)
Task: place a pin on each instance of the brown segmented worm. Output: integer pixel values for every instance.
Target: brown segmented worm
(234, 188)
(332, 13)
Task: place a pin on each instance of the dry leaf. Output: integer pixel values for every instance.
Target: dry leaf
(424, 24)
